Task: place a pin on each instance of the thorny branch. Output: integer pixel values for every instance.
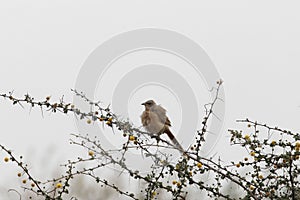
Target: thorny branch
(266, 179)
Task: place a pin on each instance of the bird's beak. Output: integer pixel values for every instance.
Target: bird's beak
(143, 104)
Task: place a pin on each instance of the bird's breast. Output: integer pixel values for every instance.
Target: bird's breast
(151, 122)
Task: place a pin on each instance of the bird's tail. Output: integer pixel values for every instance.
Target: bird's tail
(174, 140)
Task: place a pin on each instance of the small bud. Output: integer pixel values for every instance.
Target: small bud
(101, 119)
(219, 82)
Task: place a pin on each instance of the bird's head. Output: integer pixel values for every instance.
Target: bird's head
(148, 104)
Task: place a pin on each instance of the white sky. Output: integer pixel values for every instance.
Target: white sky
(254, 45)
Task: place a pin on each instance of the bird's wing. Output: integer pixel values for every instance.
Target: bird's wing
(145, 118)
(161, 113)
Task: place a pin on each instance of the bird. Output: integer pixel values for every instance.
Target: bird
(156, 122)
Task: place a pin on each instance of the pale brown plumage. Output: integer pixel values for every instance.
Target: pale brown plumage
(155, 121)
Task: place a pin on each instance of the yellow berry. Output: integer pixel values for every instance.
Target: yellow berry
(199, 164)
(89, 121)
(238, 165)
(153, 193)
(245, 159)
(72, 106)
(272, 191)
(178, 184)
(24, 181)
(163, 161)
(252, 187)
(131, 138)
(6, 159)
(297, 149)
(273, 143)
(298, 144)
(252, 153)
(32, 184)
(260, 176)
(247, 137)
(174, 182)
(48, 98)
(58, 185)
(110, 119)
(91, 153)
(249, 125)
(19, 174)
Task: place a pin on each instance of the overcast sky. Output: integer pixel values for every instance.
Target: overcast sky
(254, 46)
